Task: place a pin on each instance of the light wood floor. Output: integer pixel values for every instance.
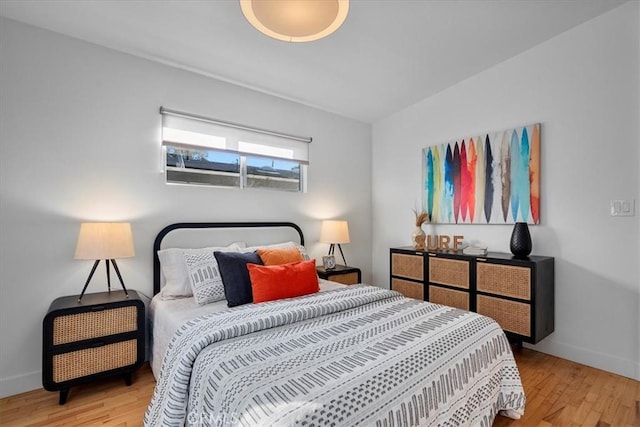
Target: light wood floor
(559, 393)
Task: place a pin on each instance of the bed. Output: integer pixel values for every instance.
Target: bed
(345, 355)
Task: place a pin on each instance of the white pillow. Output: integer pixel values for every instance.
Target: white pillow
(283, 245)
(174, 269)
(205, 277)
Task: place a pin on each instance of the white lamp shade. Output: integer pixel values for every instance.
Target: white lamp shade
(334, 232)
(105, 240)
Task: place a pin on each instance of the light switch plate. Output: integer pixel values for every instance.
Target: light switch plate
(622, 207)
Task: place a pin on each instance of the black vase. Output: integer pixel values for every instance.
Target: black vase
(520, 240)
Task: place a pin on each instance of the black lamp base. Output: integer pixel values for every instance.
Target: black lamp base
(115, 267)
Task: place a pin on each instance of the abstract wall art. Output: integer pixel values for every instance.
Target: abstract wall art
(492, 178)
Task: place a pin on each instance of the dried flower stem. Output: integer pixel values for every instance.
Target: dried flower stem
(421, 217)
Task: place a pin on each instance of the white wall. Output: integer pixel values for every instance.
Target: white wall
(79, 140)
(583, 86)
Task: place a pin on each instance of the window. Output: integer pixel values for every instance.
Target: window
(202, 151)
(264, 172)
(207, 167)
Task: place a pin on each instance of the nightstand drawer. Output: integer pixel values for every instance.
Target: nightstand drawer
(100, 322)
(345, 279)
(89, 361)
(340, 274)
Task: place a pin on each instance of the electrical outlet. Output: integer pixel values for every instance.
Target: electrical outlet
(622, 207)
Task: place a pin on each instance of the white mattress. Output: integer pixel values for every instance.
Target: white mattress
(168, 315)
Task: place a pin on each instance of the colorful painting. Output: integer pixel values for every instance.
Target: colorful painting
(486, 179)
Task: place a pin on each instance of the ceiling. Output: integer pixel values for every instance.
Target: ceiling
(388, 55)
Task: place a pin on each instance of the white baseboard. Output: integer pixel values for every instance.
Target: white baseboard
(20, 383)
(606, 362)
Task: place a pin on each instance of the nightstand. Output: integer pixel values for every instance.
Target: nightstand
(341, 274)
(101, 336)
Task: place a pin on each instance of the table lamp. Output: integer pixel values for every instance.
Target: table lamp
(335, 233)
(104, 241)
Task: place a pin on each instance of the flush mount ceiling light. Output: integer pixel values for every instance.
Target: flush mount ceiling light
(295, 20)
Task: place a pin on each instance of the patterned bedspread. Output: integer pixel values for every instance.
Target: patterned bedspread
(354, 356)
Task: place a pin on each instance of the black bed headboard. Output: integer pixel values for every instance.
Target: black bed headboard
(182, 225)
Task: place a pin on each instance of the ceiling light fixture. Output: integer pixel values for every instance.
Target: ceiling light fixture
(295, 20)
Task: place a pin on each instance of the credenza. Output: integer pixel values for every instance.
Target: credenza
(517, 292)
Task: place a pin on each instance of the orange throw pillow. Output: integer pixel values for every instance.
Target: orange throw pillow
(272, 282)
(279, 256)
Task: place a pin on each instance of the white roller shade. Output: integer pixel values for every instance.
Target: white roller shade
(180, 131)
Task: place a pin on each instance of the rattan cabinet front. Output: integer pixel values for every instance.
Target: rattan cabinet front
(341, 274)
(518, 293)
(449, 280)
(101, 336)
(408, 273)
